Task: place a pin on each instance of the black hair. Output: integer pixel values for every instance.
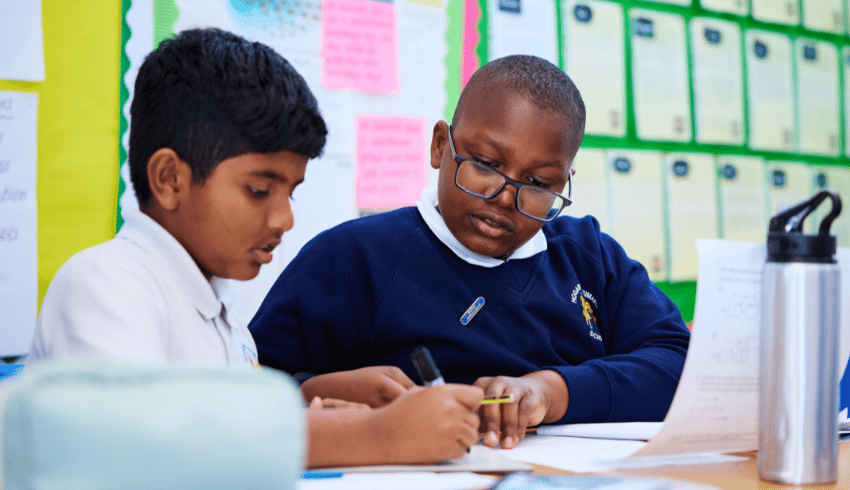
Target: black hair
(542, 83)
(211, 95)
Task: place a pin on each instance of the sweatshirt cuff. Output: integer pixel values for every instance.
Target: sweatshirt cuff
(589, 391)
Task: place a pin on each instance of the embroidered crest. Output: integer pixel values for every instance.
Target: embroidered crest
(588, 303)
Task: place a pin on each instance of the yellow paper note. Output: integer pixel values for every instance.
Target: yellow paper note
(770, 91)
(523, 27)
(718, 81)
(594, 58)
(788, 184)
(637, 215)
(824, 15)
(590, 195)
(776, 11)
(818, 97)
(691, 209)
(837, 179)
(662, 95)
(743, 198)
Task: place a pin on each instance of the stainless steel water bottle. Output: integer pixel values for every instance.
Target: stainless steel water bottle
(798, 402)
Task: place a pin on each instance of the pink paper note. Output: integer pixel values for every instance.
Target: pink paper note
(469, 61)
(359, 46)
(390, 161)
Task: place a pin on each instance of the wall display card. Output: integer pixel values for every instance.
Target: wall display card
(718, 81)
(691, 209)
(662, 94)
(390, 161)
(788, 184)
(590, 194)
(18, 245)
(594, 58)
(684, 3)
(737, 7)
(818, 97)
(743, 198)
(523, 27)
(22, 55)
(636, 209)
(776, 11)
(770, 91)
(824, 15)
(836, 179)
(845, 68)
(359, 46)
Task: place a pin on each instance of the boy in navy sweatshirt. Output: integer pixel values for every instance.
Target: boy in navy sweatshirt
(506, 295)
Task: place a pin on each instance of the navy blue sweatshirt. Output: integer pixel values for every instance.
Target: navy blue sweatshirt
(368, 291)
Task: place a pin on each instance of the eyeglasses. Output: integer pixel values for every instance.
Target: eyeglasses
(482, 181)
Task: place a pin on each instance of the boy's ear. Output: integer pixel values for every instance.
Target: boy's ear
(169, 177)
(439, 143)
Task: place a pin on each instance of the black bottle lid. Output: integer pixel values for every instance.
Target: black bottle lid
(786, 241)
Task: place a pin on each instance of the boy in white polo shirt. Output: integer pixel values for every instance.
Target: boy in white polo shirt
(221, 133)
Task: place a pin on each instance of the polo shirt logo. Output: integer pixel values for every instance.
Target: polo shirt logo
(588, 303)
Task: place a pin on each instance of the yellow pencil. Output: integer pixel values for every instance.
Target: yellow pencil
(498, 399)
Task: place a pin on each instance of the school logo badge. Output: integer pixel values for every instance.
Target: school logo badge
(588, 303)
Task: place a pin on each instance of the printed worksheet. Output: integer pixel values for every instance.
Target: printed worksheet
(691, 209)
(590, 190)
(18, 240)
(743, 198)
(522, 27)
(718, 81)
(824, 15)
(662, 94)
(594, 58)
(770, 91)
(776, 11)
(636, 207)
(818, 97)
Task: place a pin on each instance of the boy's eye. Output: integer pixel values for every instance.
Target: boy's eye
(258, 192)
(539, 183)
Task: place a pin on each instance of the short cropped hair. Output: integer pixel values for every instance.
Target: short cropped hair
(211, 95)
(542, 83)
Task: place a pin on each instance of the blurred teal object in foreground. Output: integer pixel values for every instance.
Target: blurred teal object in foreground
(7, 370)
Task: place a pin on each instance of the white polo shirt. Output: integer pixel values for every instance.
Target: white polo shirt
(139, 296)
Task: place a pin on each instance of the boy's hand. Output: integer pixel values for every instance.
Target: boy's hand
(318, 403)
(375, 385)
(540, 397)
(429, 425)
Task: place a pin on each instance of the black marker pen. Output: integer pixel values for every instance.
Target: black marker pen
(425, 366)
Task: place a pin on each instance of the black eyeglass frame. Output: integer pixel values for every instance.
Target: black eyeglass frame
(567, 200)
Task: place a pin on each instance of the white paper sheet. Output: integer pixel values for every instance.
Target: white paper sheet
(662, 94)
(624, 431)
(18, 240)
(480, 458)
(818, 97)
(22, 41)
(595, 60)
(395, 481)
(770, 91)
(776, 11)
(718, 81)
(743, 198)
(824, 15)
(691, 209)
(522, 27)
(590, 193)
(636, 207)
(788, 183)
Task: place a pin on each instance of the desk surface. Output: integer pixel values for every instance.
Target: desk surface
(728, 476)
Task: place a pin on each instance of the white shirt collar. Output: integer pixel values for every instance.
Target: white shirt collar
(428, 209)
(176, 261)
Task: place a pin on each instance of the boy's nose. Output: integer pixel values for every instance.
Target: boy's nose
(281, 218)
(507, 196)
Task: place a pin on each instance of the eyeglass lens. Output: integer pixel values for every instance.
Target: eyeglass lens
(486, 183)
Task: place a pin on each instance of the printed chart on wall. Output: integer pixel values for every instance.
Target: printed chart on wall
(18, 276)
(378, 71)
